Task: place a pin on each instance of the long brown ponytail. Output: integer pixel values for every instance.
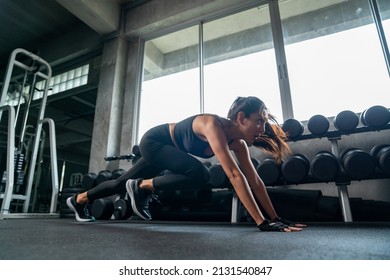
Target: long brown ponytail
(273, 140)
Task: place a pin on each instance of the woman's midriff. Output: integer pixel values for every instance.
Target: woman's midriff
(171, 132)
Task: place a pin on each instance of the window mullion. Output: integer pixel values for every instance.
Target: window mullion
(382, 37)
(201, 68)
(277, 35)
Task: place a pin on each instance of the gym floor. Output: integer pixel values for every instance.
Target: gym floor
(66, 239)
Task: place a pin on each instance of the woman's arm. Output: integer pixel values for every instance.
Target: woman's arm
(212, 130)
(257, 185)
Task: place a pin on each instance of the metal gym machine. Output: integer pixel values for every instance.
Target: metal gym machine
(40, 70)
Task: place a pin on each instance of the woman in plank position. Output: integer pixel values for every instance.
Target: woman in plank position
(173, 147)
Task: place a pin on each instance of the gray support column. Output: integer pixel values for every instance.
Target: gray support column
(131, 100)
(109, 105)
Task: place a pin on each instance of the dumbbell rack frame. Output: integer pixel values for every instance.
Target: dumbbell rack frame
(8, 195)
(342, 185)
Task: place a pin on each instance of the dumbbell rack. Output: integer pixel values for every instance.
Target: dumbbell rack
(9, 195)
(342, 182)
(237, 208)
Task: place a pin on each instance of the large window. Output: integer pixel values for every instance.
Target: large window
(384, 12)
(334, 57)
(324, 57)
(240, 61)
(170, 90)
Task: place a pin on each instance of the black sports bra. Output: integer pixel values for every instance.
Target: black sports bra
(188, 141)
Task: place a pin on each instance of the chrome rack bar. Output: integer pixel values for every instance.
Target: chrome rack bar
(342, 186)
(54, 169)
(7, 196)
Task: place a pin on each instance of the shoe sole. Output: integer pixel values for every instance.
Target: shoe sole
(130, 191)
(71, 207)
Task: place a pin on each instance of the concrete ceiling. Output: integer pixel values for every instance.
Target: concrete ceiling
(29, 24)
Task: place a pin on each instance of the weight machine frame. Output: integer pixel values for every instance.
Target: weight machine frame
(43, 71)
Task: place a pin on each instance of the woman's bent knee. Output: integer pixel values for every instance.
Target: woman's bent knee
(201, 176)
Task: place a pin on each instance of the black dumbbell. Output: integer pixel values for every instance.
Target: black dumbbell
(104, 208)
(89, 180)
(136, 151)
(374, 151)
(137, 154)
(122, 209)
(269, 171)
(295, 168)
(357, 163)
(384, 160)
(117, 173)
(103, 176)
(318, 125)
(346, 121)
(381, 155)
(375, 117)
(218, 178)
(325, 166)
(293, 128)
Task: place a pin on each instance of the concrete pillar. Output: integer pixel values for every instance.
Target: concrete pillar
(106, 135)
(130, 102)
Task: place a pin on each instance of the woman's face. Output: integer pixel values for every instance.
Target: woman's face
(254, 126)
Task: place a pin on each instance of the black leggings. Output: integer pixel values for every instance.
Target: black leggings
(158, 154)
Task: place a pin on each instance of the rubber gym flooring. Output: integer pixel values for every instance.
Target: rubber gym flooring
(66, 239)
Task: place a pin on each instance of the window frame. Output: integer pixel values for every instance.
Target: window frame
(278, 44)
